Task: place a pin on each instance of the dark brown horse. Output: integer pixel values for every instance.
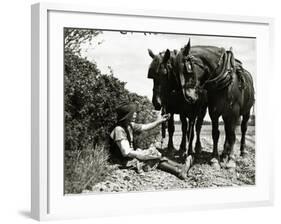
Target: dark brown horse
(229, 88)
(167, 95)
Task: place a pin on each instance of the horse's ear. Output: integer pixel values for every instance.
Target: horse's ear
(151, 53)
(166, 56)
(186, 48)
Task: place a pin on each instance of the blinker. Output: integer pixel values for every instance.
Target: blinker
(188, 67)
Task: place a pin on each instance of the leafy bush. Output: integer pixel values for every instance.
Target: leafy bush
(91, 99)
(90, 102)
(144, 115)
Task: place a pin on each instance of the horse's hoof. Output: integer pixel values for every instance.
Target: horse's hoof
(197, 155)
(231, 164)
(182, 151)
(244, 154)
(171, 147)
(224, 157)
(215, 164)
(171, 153)
(198, 149)
(183, 155)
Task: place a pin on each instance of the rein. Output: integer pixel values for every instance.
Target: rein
(193, 62)
(163, 127)
(171, 73)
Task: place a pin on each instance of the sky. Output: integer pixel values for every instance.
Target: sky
(128, 56)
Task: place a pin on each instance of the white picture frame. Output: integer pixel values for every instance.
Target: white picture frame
(47, 198)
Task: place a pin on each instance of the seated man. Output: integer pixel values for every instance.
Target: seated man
(122, 137)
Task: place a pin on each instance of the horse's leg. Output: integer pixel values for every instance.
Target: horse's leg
(244, 126)
(171, 130)
(184, 132)
(215, 136)
(225, 152)
(230, 125)
(198, 127)
(190, 135)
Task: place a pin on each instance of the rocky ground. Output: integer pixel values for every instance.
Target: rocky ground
(201, 174)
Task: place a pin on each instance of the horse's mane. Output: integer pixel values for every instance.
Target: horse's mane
(209, 55)
(207, 51)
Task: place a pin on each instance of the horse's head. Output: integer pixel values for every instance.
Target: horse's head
(190, 71)
(158, 71)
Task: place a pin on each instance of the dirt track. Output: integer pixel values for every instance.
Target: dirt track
(200, 175)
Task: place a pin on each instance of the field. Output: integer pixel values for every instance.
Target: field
(201, 174)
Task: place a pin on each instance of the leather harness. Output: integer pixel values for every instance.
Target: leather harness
(225, 76)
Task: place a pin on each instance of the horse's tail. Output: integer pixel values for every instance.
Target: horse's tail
(246, 85)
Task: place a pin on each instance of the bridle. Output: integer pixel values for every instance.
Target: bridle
(221, 76)
(192, 60)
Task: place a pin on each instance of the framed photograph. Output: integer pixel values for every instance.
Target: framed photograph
(165, 111)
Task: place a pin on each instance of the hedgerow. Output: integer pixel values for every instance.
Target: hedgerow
(90, 102)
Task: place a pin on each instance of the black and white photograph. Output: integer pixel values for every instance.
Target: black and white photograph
(144, 111)
(147, 111)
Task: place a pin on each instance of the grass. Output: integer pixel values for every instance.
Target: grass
(85, 168)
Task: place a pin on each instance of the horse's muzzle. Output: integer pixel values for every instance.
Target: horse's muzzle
(190, 95)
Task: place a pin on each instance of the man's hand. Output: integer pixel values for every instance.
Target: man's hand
(166, 117)
(163, 118)
(160, 119)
